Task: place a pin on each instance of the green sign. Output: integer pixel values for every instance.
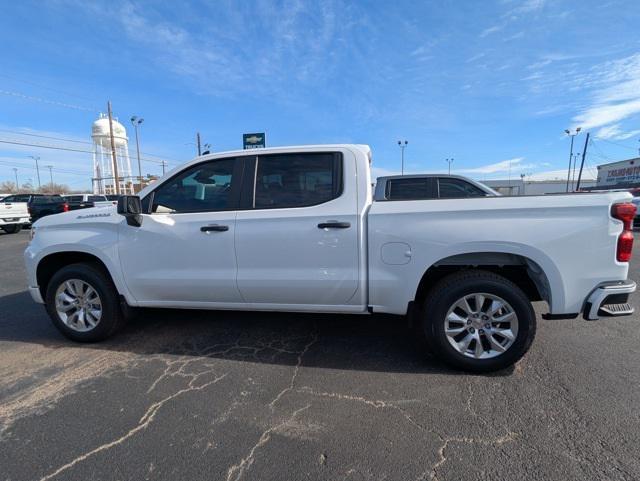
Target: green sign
(253, 141)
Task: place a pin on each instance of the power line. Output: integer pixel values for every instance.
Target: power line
(55, 169)
(46, 101)
(46, 87)
(81, 142)
(45, 136)
(619, 145)
(68, 149)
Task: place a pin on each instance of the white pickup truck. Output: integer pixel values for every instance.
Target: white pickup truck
(297, 229)
(13, 215)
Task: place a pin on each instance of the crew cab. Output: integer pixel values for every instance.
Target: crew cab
(297, 229)
(13, 215)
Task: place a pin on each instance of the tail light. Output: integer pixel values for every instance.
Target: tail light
(65, 207)
(624, 212)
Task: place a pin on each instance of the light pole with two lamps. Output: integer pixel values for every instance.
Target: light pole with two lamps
(403, 145)
(572, 135)
(449, 161)
(136, 121)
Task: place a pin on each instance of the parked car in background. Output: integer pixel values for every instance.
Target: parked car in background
(426, 186)
(84, 201)
(113, 198)
(13, 215)
(295, 229)
(40, 205)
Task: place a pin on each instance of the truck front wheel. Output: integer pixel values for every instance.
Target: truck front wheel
(83, 303)
(478, 321)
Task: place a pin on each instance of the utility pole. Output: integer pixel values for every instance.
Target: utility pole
(50, 167)
(402, 146)
(15, 171)
(198, 144)
(449, 161)
(37, 158)
(568, 132)
(584, 153)
(163, 164)
(136, 121)
(573, 175)
(113, 149)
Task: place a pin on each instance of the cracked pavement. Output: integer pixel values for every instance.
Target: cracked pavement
(255, 396)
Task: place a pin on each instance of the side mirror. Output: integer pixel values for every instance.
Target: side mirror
(130, 207)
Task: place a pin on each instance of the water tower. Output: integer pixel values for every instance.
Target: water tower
(104, 180)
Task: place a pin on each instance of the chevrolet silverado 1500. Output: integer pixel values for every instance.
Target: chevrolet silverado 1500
(297, 229)
(13, 215)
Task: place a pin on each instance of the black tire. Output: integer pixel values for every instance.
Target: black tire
(12, 228)
(454, 287)
(111, 319)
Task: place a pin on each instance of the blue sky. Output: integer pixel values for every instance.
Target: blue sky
(489, 83)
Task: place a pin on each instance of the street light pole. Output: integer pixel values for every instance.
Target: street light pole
(136, 121)
(37, 158)
(572, 135)
(50, 167)
(449, 161)
(402, 145)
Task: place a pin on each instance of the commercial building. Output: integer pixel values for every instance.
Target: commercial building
(533, 187)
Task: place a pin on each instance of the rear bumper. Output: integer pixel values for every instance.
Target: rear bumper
(8, 220)
(610, 300)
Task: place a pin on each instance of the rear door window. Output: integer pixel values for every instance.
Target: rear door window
(411, 189)
(297, 180)
(449, 188)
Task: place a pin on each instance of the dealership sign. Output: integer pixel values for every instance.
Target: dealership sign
(622, 173)
(253, 141)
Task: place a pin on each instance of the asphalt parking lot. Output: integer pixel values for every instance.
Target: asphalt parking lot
(230, 395)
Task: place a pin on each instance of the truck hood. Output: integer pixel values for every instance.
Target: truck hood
(93, 215)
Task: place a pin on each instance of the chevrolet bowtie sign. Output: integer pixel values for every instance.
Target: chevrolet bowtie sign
(253, 141)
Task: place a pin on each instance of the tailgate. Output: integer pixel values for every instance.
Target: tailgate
(13, 209)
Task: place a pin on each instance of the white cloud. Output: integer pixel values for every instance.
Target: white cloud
(502, 166)
(476, 57)
(514, 165)
(616, 95)
(601, 114)
(490, 30)
(615, 132)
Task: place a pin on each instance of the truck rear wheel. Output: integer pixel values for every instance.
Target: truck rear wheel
(12, 228)
(478, 321)
(83, 303)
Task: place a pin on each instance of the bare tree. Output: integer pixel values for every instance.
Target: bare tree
(54, 189)
(8, 187)
(26, 188)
